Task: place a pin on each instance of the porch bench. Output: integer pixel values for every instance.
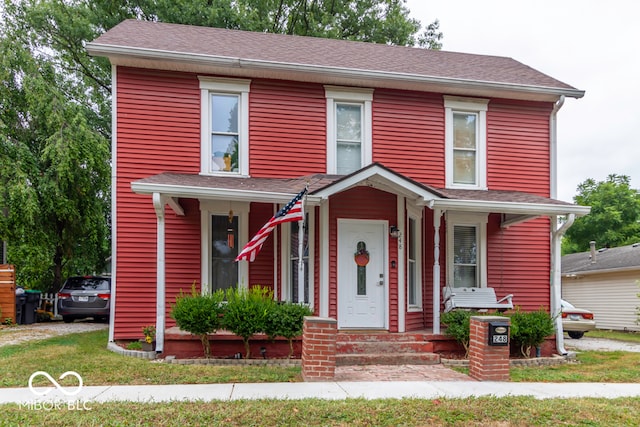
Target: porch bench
(474, 299)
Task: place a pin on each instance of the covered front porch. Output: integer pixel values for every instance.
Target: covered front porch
(406, 229)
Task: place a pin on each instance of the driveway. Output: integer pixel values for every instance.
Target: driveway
(599, 344)
(38, 331)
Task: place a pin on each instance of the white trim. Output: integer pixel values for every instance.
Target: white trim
(361, 96)
(114, 200)
(536, 209)
(240, 87)
(437, 219)
(402, 271)
(158, 205)
(120, 55)
(324, 259)
(285, 265)
(467, 105)
(478, 220)
(208, 208)
(415, 214)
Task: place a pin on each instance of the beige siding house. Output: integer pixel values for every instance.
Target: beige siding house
(607, 282)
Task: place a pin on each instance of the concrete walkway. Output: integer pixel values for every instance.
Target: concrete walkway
(321, 390)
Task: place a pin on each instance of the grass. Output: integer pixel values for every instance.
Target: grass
(503, 412)
(86, 354)
(615, 335)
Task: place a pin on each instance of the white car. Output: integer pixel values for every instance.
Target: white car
(576, 321)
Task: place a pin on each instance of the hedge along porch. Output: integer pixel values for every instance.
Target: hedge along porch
(345, 215)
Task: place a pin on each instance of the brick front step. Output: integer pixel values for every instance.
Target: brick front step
(351, 347)
(387, 359)
(383, 336)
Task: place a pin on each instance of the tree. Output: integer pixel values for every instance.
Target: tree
(55, 123)
(614, 219)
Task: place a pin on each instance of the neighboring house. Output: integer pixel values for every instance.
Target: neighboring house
(607, 282)
(440, 165)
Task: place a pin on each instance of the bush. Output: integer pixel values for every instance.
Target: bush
(199, 314)
(458, 326)
(286, 320)
(529, 329)
(246, 312)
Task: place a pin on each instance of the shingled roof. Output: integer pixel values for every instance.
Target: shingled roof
(623, 257)
(185, 47)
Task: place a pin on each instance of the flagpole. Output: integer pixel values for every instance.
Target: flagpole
(301, 253)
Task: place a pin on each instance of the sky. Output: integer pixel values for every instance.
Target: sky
(590, 45)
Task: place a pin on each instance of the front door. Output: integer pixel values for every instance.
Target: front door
(361, 274)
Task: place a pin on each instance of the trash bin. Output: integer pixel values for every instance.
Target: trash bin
(21, 299)
(30, 307)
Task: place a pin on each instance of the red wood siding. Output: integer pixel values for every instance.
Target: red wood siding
(518, 146)
(519, 259)
(261, 269)
(362, 203)
(408, 134)
(158, 129)
(287, 134)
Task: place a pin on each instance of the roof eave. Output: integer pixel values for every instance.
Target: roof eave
(538, 209)
(124, 55)
(235, 195)
(573, 274)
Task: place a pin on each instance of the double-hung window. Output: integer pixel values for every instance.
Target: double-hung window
(414, 259)
(467, 250)
(224, 126)
(290, 261)
(348, 129)
(465, 140)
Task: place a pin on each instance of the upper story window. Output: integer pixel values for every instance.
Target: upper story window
(465, 141)
(224, 126)
(348, 129)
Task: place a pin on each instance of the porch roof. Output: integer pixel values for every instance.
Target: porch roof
(517, 206)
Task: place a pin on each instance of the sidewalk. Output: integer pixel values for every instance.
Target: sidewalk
(323, 390)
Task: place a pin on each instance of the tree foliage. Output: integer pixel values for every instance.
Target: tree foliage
(55, 114)
(614, 219)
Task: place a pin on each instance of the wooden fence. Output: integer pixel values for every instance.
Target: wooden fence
(7, 293)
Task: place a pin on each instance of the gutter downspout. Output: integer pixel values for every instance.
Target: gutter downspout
(556, 279)
(553, 149)
(556, 233)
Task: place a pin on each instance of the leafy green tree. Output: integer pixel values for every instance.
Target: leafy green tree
(55, 172)
(55, 118)
(614, 219)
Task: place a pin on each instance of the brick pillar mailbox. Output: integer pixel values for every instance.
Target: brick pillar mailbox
(319, 348)
(489, 357)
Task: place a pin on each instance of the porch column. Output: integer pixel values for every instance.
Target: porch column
(323, 304)
(437, 214)
(158, 205)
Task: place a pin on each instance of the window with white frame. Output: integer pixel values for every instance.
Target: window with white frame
(224, 229)
(465, 140)
(466, 250)
(224, 126)
(414, 263)
(348, 129)
(290, 257)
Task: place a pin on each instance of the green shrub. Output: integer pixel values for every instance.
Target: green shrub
(529, 329)
(458, 326)
(199, 314)
(246, 312)
(134, 345)
(286, 320)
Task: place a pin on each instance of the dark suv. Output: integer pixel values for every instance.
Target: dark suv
(85, 296)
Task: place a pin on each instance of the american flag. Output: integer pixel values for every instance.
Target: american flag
(290, 213)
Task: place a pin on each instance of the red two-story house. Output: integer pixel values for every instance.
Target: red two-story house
(439, 166)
